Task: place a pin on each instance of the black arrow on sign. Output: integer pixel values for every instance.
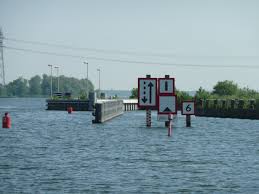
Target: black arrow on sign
(144, 99)
(166, 86)
(150, 85)
(167, 110)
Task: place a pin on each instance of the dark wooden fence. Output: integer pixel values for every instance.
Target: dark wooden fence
(230, 108)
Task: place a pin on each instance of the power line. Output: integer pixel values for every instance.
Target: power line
(89, 49)
(43, 52)
(105, 51)
(128, 61)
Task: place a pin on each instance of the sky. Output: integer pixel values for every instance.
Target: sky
(197, 42)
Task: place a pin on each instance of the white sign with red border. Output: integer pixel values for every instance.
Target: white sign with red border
(147, 92)
(188, 108)
(166, 86)
(167, 105)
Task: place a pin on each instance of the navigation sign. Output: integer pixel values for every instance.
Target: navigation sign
(188, 108)
(166, 86)
(147, 92)
(167, 105)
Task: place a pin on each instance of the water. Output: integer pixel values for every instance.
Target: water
(54, 152)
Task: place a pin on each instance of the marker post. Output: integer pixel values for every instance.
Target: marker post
(148, 110)
(188, 120)
(147, 96)
(170, 118)
(148, 117)
(188, 109)
(167, 100)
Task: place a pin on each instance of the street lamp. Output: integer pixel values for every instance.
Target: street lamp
(56, 67)
(99, 80)
(50, 80)
(86, 78)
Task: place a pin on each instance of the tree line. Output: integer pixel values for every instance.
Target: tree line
(227, 90)
(39, 86)
(223, 89)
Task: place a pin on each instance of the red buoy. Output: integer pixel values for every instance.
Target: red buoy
(6, 122)
(70, 109)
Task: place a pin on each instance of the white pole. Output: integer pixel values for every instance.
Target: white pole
(57, 76)
(99, 81)
(50, 80)
(86, 79)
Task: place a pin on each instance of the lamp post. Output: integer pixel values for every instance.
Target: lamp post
(86, 79)
(99, 70)
(50, 80)
(56, 67)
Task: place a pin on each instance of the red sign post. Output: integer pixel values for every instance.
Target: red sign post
(167, 100)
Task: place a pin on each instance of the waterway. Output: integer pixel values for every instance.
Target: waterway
(56, 152)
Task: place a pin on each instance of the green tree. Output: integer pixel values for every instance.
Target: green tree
(18, 87)
(35, 85)
(45, 85)
(134, 93)
(202, 94)
(41, 86)
(225, 88)
(247, 93)
(2, 90)
(181, 95)
(77, 87)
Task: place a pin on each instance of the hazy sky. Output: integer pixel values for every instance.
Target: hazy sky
(161, 34)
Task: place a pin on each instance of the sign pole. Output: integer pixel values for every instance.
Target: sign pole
(188, 109)
(147, 96)
(188, 120)
(148, 117)
(167, 123)
(167, 100)
(148, 110)
(170, 118)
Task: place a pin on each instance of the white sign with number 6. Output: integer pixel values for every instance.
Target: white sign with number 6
(188, 108)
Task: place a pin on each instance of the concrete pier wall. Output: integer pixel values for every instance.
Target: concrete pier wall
(106, 110)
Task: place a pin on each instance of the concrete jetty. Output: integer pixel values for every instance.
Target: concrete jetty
(105, 110)
(76, 104)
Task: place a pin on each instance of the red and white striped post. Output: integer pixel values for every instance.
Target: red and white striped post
(170, 118)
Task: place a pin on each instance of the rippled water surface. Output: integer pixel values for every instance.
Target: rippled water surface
(55, 152)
